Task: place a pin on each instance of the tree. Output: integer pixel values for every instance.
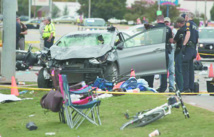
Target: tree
(104, 8)
(143, 9)
(137, 10)
(65, 11)
(212, 13)
(55, 11)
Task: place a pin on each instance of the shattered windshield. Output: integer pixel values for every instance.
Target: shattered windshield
(94, 39)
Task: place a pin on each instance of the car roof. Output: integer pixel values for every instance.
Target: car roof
(206, 28)
(94, 19)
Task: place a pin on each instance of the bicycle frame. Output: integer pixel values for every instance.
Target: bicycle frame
(165, 107)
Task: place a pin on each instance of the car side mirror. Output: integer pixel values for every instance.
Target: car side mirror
(120, 46)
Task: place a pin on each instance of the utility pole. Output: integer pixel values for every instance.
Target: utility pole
(158, 4)
(205, 13)
(50, 6)
(29, 8)
(89, 8)
(8, 58)
(167, 10)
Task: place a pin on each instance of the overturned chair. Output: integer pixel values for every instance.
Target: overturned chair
(78, 111)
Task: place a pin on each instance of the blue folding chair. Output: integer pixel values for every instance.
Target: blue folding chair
(76, 114)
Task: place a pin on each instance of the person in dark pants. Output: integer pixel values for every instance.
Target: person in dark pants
(189, 52)
(18, 31)
(48, 33)
(21, 43)
(178, 39)
(169, 40)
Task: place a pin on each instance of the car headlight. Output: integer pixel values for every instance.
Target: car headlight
(94, 61)
(201, 45)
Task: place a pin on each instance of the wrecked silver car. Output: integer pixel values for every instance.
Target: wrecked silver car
(106, 53)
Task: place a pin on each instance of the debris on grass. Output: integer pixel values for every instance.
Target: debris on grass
(50, 133)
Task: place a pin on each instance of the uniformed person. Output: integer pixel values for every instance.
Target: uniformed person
(48, 33)
(169, 40)
(178, 39)
(189, 52)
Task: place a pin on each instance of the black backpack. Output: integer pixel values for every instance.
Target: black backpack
(198, 65)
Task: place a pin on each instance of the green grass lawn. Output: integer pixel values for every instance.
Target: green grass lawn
(15, 115)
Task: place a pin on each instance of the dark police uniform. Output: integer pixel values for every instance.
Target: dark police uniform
(163, 85)
(18, 31)
(188, 55)
(179, 38)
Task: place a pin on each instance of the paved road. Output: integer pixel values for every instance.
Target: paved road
(200, 76)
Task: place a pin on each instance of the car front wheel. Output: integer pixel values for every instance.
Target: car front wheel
(111, 73)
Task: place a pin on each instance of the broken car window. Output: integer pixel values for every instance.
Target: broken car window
(85, 40)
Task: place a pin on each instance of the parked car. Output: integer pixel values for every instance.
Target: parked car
(117, 21)
(206, 42)
(33, 24)
(94, 24)
(24, 18)
(134, 29)
(65, 19)
(84, 55)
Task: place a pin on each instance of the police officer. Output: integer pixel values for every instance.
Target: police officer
(169, 40)
(48, 33)
(178, 39)
(189, 52)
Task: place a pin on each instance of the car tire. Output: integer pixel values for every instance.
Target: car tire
(42, 82)
(111, 73)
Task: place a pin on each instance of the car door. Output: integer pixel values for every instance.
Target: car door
(144, 52)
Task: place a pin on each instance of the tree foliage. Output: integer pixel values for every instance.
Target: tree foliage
(143, 9)
(104, 8)
(65, 11)
(55, 11)
(212, 13)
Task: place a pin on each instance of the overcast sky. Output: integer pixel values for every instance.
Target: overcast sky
(191, 5)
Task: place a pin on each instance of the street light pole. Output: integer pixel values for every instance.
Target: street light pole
(29, 10)
(158, 4)
(89, 8)
(50, 5)
(8, 58)
(205, 13)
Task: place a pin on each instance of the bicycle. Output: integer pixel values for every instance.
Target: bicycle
(146, 117)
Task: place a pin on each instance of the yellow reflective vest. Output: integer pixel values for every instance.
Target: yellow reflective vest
(49, 28)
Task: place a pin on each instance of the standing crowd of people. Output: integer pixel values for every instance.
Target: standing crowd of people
(180, 53)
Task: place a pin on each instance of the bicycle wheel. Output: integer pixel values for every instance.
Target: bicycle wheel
(151, 118)
(143, 121)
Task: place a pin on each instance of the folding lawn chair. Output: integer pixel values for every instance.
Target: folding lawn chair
(77, 111)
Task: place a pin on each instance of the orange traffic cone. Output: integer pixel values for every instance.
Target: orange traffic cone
(198, 57)
(14, 90)
(211, 75)
(132, 73)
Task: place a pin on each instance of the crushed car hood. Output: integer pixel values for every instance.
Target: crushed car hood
(64, 53)
(206, 40)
